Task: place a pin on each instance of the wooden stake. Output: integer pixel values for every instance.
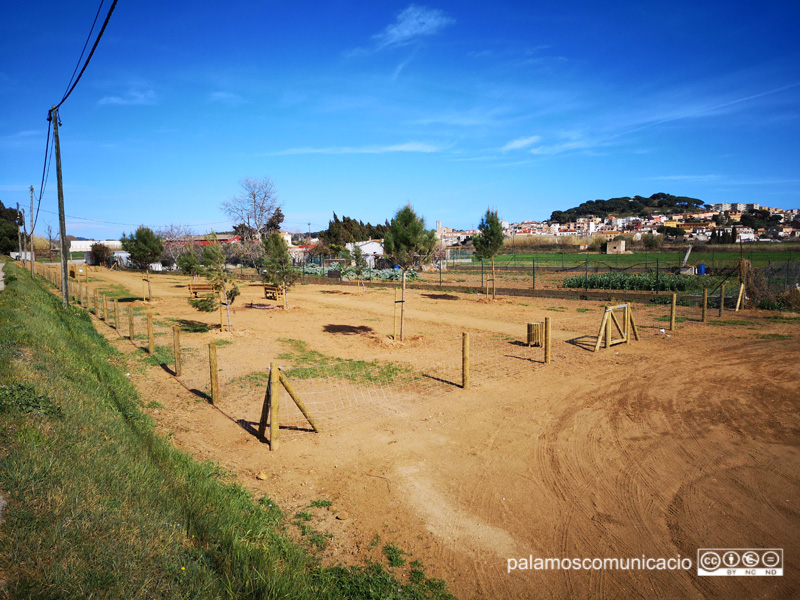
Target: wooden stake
(672, 311)
(293, 395)
(274, 408)
(116, 315)
(633, 329)
(609, 314)
(396, 301)
(130, 323)
(627, 323)
(212, 365)
(265, 410)
(721, 299)
(547, 340)
(530, 334)
(740, 297)
(176, 348)
(601, 333)
(705, 305)
(465, 361)
(151, 340)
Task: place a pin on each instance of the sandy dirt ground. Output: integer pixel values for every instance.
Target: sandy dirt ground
(683, 440)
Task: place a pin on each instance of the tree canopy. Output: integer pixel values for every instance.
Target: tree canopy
(9, 219)
(347, 230)
(254, 207)
(407, 242)
(144, 246)
(626, 206)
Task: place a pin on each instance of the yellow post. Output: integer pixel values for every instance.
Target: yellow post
(672, 311)
(705, 305)
(739, 298)
(212, 365)
(151, 340)
(465, 361)
(130, 323)
(274, 408)
(116, 315)
(176, 348)
(721, 299)
(547, 340)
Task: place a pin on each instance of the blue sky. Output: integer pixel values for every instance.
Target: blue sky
(361, 107)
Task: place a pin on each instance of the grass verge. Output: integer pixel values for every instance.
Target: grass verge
(100, 506)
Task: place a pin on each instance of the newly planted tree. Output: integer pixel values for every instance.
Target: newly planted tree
(409, 245)
(145, 247)
(278, 269)
(224, 284)
(489, 242)
(359, 266)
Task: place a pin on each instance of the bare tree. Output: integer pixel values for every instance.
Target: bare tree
(254, 206)
(175, 238)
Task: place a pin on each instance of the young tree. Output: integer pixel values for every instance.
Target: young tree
(489, 242)
(145, 247)
(253, 208)
(100, 253)
(223, 282)
(409, 245)
(189, 263)
(359, 266)
(278, 268)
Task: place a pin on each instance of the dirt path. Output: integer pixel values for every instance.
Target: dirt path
(657, 448)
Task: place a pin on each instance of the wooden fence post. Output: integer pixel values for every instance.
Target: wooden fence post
(176, 348)
(116, 316)
(705, 305)
(608, 328)
(151, 340)
(212, 365)
(130, 323)
(721, 299)
(465, 361)
(547, 340)
(672, 311)
(274, 408)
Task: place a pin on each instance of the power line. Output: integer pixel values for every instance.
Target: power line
(134, 224)
(85, 44)
(88, 58)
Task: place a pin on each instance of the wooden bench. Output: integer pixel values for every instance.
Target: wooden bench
(198, 288)
(273, 292)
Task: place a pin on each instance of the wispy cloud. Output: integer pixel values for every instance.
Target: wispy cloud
(413, 23)
(131, 98)
(406, 147)
(709, 177)
(521, 143)
(228, 98)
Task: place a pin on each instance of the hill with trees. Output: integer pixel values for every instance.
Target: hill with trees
(626, 206)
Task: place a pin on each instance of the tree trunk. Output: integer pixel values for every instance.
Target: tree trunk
(402, 305)
(227, 306)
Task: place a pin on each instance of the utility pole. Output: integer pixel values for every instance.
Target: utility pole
(61, 216)
(19, 233)
(33, 252)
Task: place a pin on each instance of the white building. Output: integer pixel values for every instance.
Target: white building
(371, 249)
(86, 245)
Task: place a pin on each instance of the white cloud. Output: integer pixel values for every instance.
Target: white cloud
(405, 147)
(521, 143)
(411, 24)
(132, 98)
